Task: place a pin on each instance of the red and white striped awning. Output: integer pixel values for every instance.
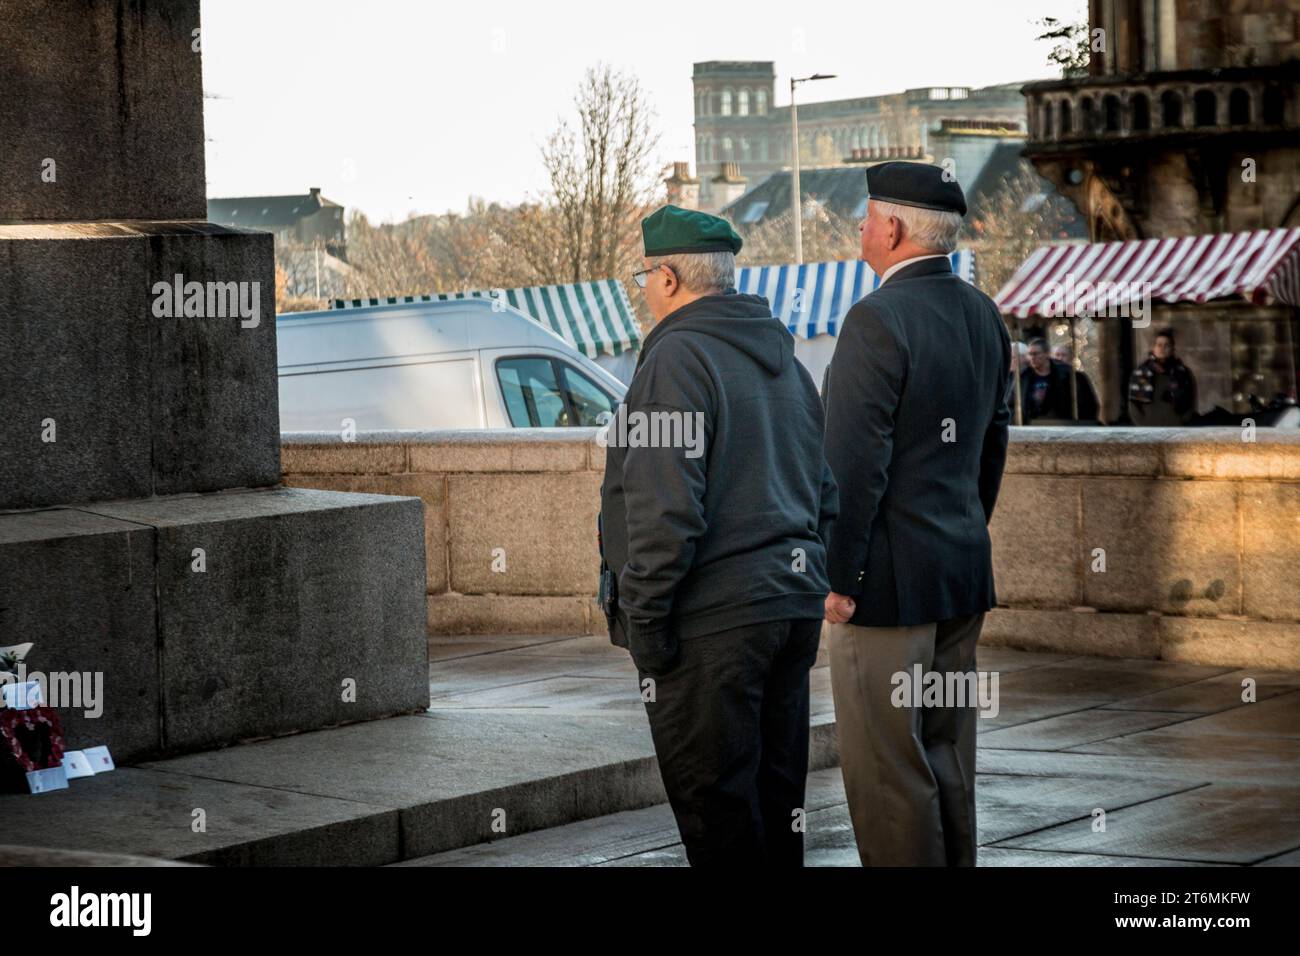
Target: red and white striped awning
(1261, 266)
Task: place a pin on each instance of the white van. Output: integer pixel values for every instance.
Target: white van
(461, 363)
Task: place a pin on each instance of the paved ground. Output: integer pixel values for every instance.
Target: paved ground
(1187, 773)
(540, 732)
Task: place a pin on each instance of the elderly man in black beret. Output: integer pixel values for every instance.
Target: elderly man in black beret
(916, 436)
(713, 514)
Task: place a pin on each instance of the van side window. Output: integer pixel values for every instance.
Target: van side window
(589, 399)
(532, 394)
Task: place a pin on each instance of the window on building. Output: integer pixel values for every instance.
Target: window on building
(1088, 113)
(1067, 119)
(1110, 113)
(760, 102)
(726, 103)
(1171, 109)
(1272, 112)
(754, 213)
(1206, 106)
(1239, 108)
(1141, 112)
(727, 154)
(742, 103)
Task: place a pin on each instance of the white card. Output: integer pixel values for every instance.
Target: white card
(100, 761)
(22, 696)
(19, 651)
(51, 778)
(76, 763)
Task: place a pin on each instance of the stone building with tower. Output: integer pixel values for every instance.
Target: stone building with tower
(1187, 123)
(742, 136)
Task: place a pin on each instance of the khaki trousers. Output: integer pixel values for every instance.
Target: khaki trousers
(909, 772)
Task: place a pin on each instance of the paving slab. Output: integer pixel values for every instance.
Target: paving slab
(999, 856)
(1209, 696)
(1067, 730)
(649, 838)
(1277, 717)
(148, 813)
(452, 775)
(1187, 758)
(566, 694)
(445, 648)
(1109, 679)
(467, 675)
(1218, 823)
(1008, 806)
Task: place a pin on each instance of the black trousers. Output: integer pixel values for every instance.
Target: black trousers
(730, 726)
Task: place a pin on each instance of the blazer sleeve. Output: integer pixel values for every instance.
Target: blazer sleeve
(830, 505)
(993, 455)
(664, 489)
(867, 375)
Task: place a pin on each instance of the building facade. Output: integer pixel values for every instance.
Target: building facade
(737, 121)
(309, 221)
(1187, 122)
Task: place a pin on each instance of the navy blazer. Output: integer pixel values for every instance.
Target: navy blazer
(917, 410)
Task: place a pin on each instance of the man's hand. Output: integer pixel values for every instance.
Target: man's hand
(839, 608)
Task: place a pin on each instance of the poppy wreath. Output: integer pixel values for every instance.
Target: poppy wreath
(30, 739)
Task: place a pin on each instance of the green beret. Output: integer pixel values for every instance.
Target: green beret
(672, 231)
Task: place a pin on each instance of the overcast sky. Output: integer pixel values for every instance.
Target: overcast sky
(401, 106)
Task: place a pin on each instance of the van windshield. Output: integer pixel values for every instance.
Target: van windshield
(541, 392)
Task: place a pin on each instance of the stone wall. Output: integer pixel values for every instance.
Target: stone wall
(1199, 531)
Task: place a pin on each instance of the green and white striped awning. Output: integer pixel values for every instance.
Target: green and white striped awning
(593, 317)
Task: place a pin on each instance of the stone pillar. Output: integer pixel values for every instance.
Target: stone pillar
(143, 535)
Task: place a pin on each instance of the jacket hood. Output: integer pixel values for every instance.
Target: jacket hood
(741, 320)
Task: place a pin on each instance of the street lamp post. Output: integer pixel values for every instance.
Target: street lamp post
(796, 199)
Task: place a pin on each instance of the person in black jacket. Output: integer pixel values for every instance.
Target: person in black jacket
(1045, 388)
(916, 437)
(714, 511)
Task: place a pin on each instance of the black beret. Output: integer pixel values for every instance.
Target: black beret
(672, 230)
(915, 184)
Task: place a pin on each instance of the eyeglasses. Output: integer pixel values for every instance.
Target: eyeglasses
(640, 277)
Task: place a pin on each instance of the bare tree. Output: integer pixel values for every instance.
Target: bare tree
(1073, 49)
(1022, 214)
(602, 175)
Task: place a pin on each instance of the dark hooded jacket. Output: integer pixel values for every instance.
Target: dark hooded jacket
(728, 532)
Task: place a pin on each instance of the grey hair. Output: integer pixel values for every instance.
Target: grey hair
(932, 228)
(701, 272)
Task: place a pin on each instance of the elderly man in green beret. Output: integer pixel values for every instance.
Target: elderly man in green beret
(714, 510)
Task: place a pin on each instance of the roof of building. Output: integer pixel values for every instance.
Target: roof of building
(839, 189)
(267, 212)
(842, 190)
